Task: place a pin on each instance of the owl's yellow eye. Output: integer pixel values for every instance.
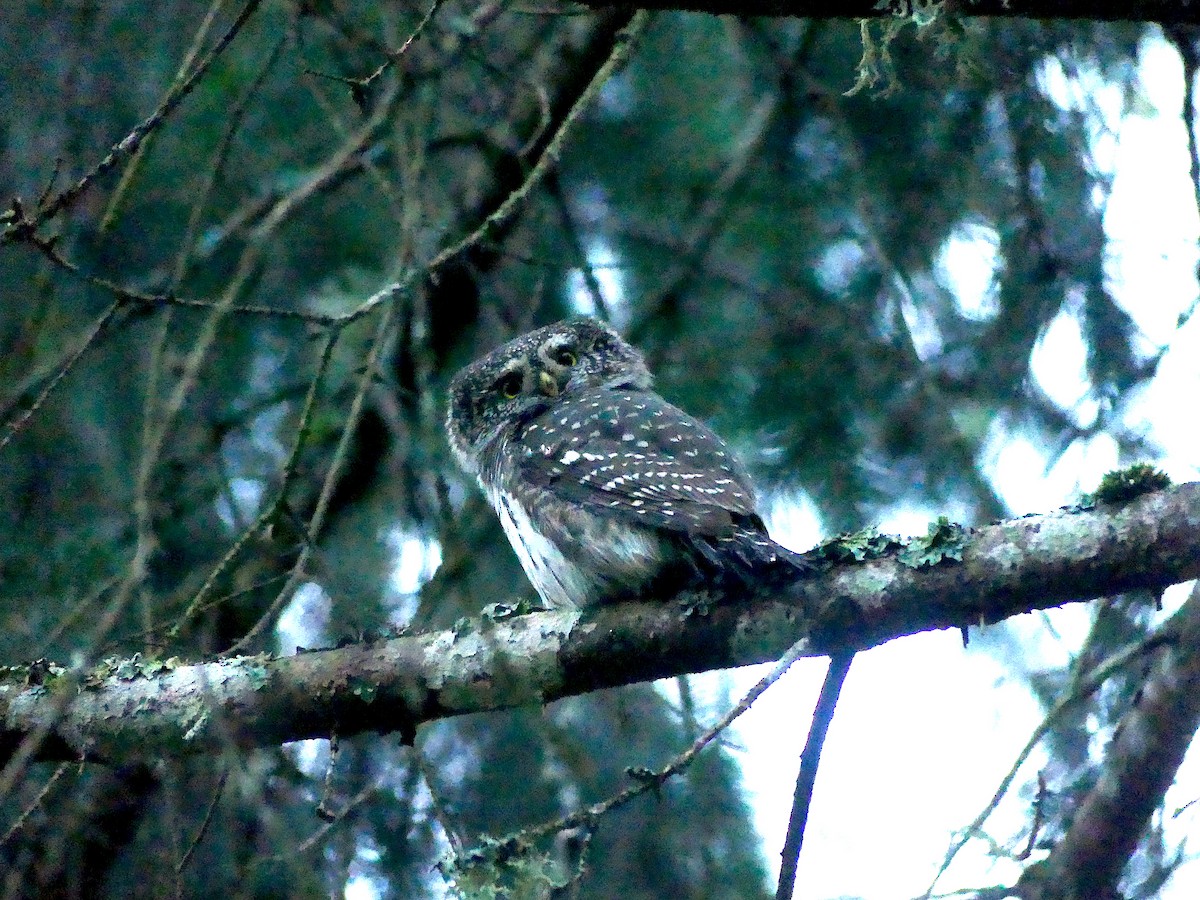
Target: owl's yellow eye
(509, 386)
(565, 357)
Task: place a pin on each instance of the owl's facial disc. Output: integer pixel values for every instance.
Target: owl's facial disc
(555, 361)
(496, 394)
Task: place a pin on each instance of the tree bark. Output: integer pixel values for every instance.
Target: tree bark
(1139, 766)
(150, 708)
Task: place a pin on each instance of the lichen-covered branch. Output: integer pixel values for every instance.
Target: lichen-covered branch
(1035, 562)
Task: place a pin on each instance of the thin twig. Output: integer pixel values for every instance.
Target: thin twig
(204, 825)
(345, 157)
(341, 453)
(575, 241)
(324, 809)
(128, 145)
(247, 264)
(326, 825)
(810, 760)
(130, 172)
(50, 182)
(571, 890)
(19, 759)
(1183, 38)
(220, 156)
(271, 511)
(122, 293)
(72, 615)
(99, 327)
(34, 804)
(196, 357)
(623, 47)
(369, 158)
(1084, 689)
(706, 222)
(394, 56)
(143, 486)
(647, 781)
(441, 812)
(1039, 817)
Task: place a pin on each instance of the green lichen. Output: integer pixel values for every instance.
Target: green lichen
(38, 672)
(256, 671)
(857, 546)
(505, 664)
(363, 689)
(197, 719)
(502, 870)
(932, 24)
(130, 669)
(1123, 485)
(944, 541)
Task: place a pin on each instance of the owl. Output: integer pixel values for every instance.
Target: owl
(605, 490)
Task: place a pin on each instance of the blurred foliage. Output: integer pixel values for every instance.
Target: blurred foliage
(772, 244)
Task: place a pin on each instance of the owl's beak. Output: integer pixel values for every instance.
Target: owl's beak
(546, 384)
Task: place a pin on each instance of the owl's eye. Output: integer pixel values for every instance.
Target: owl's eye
(565, 357)
(509, 386)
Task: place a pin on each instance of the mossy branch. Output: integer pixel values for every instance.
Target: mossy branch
(1035, 562)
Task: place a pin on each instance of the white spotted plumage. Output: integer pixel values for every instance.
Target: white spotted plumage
(604, 489)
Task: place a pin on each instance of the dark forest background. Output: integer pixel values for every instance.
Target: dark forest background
(179, 478)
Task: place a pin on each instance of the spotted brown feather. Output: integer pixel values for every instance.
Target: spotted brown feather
(604, 489)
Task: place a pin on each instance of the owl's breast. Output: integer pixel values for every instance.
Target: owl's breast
(572, 556)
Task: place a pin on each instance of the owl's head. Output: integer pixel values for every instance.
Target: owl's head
(519, 381)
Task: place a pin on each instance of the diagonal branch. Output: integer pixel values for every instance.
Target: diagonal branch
(806, 778)
(1139, 765)
(1008, 568)
(129, 144)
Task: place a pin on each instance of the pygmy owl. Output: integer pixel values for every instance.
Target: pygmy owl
(605, 490)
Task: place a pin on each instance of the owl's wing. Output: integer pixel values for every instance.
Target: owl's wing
(637, 457)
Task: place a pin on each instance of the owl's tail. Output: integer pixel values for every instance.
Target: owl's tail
(749, 555)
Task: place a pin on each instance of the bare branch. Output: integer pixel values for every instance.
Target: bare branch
(1139, 765)
(61, 369)
(806, 778)
(1085, 689)
(129, 145)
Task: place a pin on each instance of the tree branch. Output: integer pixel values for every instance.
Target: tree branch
(1139, 765)
(1161, 11)
(154, 708)
(806, 778)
